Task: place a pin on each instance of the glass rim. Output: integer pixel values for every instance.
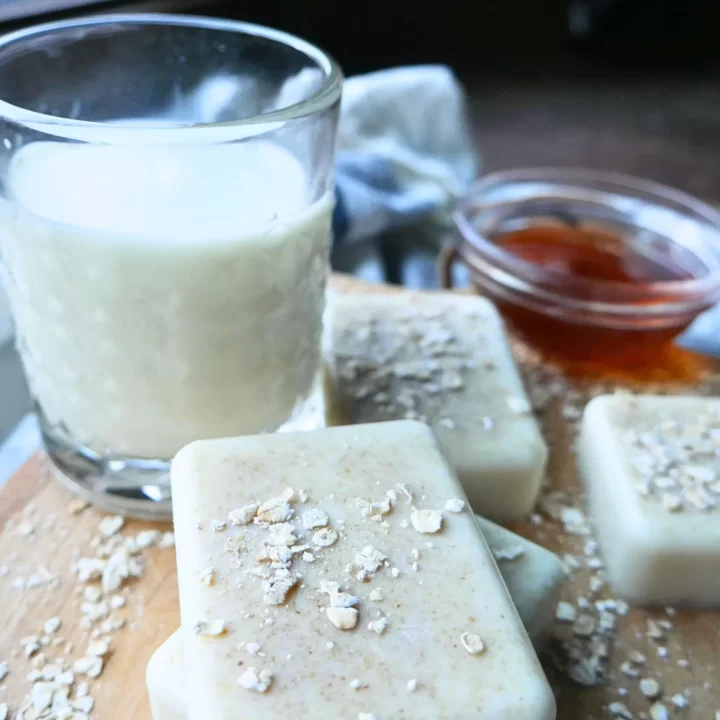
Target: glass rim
(322, 99)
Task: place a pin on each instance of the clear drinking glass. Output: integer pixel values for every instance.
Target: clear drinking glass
(165, 215)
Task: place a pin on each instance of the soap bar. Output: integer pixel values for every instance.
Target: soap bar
(651, 467)
(445, 360)
(165, 677)
(321, 575)
(534, 577)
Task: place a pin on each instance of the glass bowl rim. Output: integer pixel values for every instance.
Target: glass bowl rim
(534, 278)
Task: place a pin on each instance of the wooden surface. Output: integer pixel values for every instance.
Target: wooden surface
(152, 610)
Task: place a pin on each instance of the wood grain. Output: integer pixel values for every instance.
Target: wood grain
(152, 609)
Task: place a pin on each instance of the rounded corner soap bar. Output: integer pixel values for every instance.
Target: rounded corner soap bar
(446, 360)
(338, 573)
(651, 468)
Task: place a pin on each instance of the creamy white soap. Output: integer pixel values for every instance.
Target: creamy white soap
(534, 577)
(651, 468)
(165, 294)
(445, 360)
(420, 597)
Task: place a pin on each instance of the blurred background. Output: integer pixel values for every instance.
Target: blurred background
(629, 85)
(625, 85)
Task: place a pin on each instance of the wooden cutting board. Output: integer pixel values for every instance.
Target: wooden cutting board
(32, 499)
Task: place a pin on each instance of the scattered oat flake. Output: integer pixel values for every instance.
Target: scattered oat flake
(214, 628)
(510, 553)
(343, 618)
(89, 569)
(26, 529)
(650, 688)
(274, 510)
(565, 612)
(84, 704)
(412, 685)
(472, 643)
(636, 657)
(281, 534)
(376, 596)
(98, 648)
(257, 681)
(619, 710)
(278, 585)
(252, 648)
(325, 537)
(41, 695)
(427, 521)
(243, 515)
(167, 540)
(110, 525)
(366, 563)
(148, 538)
(455, 505)
(30, 647)
(654, 631)
(52, 625)
(89, 665)
(314, 518)
(356, 684)
(680, 701)
(659, 712)
(628, 669)
(584, 625)
(207, 576)
(378, 626)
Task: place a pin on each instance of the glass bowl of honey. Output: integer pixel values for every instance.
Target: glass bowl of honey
(598, 271)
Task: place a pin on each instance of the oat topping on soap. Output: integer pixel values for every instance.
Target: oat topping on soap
(369, 566)
(675, 463)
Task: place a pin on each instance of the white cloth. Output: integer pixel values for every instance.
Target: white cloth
(404, 150)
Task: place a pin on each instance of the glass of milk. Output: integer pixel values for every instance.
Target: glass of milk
(165, 214)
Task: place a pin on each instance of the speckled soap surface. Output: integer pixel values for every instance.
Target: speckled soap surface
(443, 359)
(534, 577)
(362, 542)
(651, 467)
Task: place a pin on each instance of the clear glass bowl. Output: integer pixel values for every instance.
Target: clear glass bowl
(587, 323)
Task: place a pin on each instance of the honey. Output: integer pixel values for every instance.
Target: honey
(589, 350)
(597, 271)
(589, 253)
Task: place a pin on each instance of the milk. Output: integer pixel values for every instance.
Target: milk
(163, 295)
